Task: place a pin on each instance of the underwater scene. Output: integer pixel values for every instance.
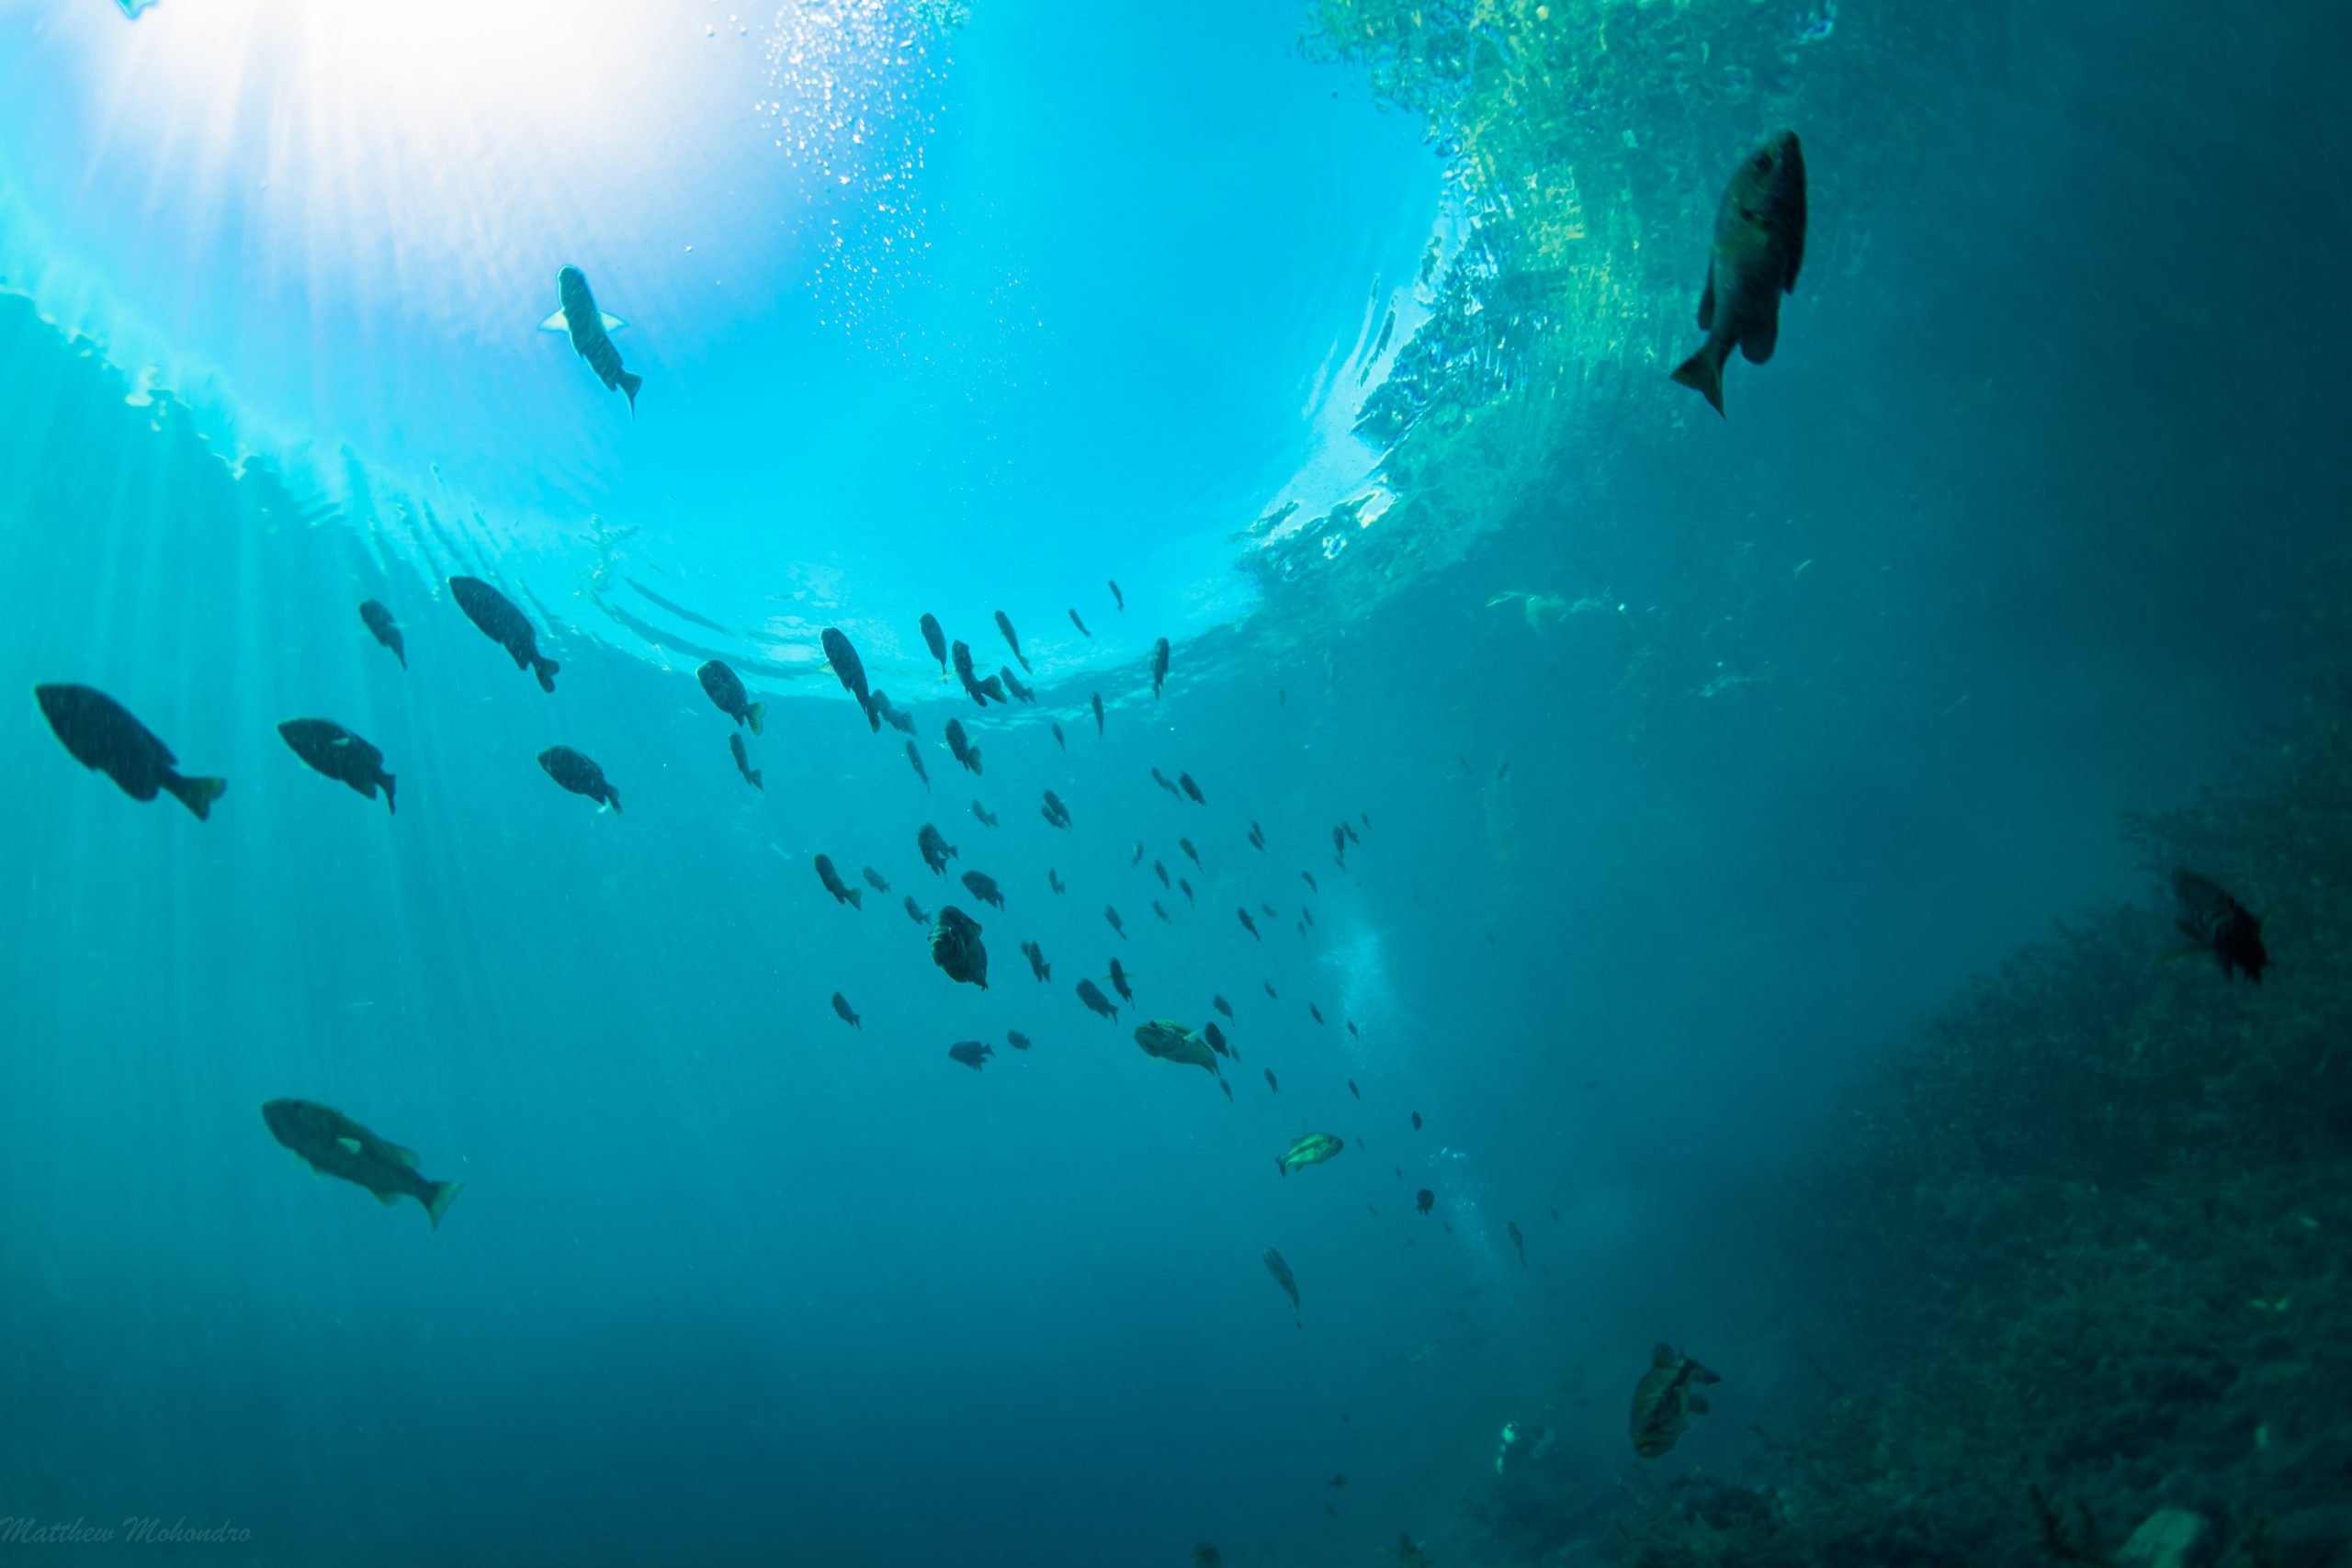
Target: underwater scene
(1284, 784)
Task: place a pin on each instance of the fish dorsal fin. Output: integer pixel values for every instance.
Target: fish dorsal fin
(1706, 302)
(402, 1157)
(348, 1146)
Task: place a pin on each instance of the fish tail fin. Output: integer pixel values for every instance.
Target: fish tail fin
(443, 1194)
(401, 654)
(389, 781)
(755, 776)
(873, 717)
(630, 384)
(755, 715)
(1280, 1169)
(1704, 373)
(545, 670)
(613, 798)
(856, 898)
(197, 794)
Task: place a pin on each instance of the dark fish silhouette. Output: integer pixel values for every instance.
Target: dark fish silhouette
(1055, 812)
(937, 850)
(1160, 869)
(340, 755)
(956, 947)
(1119, 982)
(1307, 914)
(852, 673)
(1013, 640)
(1317, 1012)
(1118, 598)
(102, 736)
(875, 879)
(1189, 852)
(2219, 924)
(1353, 1089)
(1159, 665)
(1417, 1121)
(1184, 887)
(1351, 832)
(1271, 992)
(725, 688)
(915, 911)
(1037, 957)
(988, 817)
(334, 1144)
(580, 774)
(1161, 912)
(841, 1006)
(841, 891)
(1222, 1006)
(1424, 1199)
(979, 690)
(1257, 836)
(386, 629)
(1340, 847)
(1096, 698)
(1080, 625)
(936, 640)
(1351, 1028)
(914, 760)
(1758, 246)
(983, 887)
(1191, 789)
(1111, 915)
(1012, 683)
(896, 718)
(1091, 995)
(961, 747)
(1215, 1037)
(1283, 1277)
(1516, 1241)
(971, 1053)
(1270, 1083)
(1162, 779)
(591, 339)
(500, 622)
(1267, 910)
(1249, 924)
(1017, 1040)
(743, 758)
(1309, 877)
(1053, 880)
(1058, 738)
(1137, 858)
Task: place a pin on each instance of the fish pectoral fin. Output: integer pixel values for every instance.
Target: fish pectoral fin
(389, 1200)
(612, 323)
(1707, 301)
(348, 1146)
(402, 1157)
(554, 323)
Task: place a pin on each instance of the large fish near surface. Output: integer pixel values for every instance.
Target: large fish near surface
(500, 622)
(1758, 246)
(1012, 640)
(956, 947)
(1283, 1277)
(342, 756)
(1159, 665)
(334, 1144)
(852, 671)
(959, 745)
(935, 849)
(725, 689)
(592, 334)
(1312, 1149)
(578, 772)
(384, 630)
(935, 639)
(1118, 598)
(979, 690)
(2219, 924)
(102, 736)
(841, 891)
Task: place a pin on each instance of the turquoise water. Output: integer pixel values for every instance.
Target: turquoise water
(1693, 760)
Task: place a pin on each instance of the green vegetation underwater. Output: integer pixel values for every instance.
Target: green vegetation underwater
(721, 719)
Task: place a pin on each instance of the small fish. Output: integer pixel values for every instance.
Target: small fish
(1316, 1010)
(1013, 640)
(895, 717)
(1257, 838)
(1215, 1037)
(1185, 888)
(956, 947)
(1161, 912)
(384, 629)
(1111, 915)
(1758, 246)
(1353, 1089)
(1080, 625)
(1310, 882)
(915, 911)
(1350, 833)
(1283, 1277)
(1096, 698)
(914, 760)
(1467, 770)
(579, 774)
(1312, 1149)
(1012, 683)
(1306, 915)
(1017, 1040)
(1417, 1121)
(1053, 880)
(850, 671)
(1118, 598)
(1270, 993)
(1058, 738)
(1222, 1006)
(592, 334)
(971, 1053)
(1340, 847)
(841, 1006)
(334, 1144)
(1160, 869)
(1159, 665)
(1189, 852)
(1516, 1241)
(1191, 789)
(500, 622)
(1038, 964)
(725, 689)
(937, 850)
(988, 817)
(843, 892)
(974, 687)
(1119, 982)
(743, 758)
(983, 887)
(1352, 1029)
(1270, 1083)
(1055, 812)
(1366, 817)
(936, 640)
(1091, 995)
(1249, 924)
(2218, 923)
(875, 880)
(1503, 770)
(342, 756)
(1664, 1400)
(961, 747)
(1162, 779)
(1424, 1199)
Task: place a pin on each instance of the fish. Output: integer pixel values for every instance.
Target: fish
(2219, 924)
(1118, 598)
(1161, 912)
(841, 1006)
(1159, 665)
(1337, 1481)
(841, 891)
(1758, 246)
(1267, 910)
(1225, 1086)
(580, 774)
(1191, 789)
(725, 689)
(962, 747)
(1012, 683)
(1037, 957)
(1502, 771)
(1160, 869)
(988, 817)
(1353, 1089)
(956, 947)
(936, 640)
(1013, 640)
(971, 1053)
(1096, 1002)
(1310, 882)
(1257, 836)
(1222, 1006)
(743, 758)
(1664, 1400)
(1424, 1199)
(1315, 1011)
(1312, 1149)
(1111, 915)
(875, 879)
(1170, 1041)
(592, 334)
(1271, 994)
(1119, 982)
(895, 717)
(1189, 852)
(972, 686)
(1096, 698)
(1215, 1037)
(1366, 817)
(1340, 847)
(500, 622)
(1057, 736)
(1249, 924)
(332, 1143)
(1417, 1121)
(335, 752)
(1206, 1555)
(1017, 1040)
(983, 887)
(1270, 1083)
(384, 629)
(914, 760)
(1080, 625)
(1055, 812)
(851, 670)
(1306, 915)
(1185, 888)
(915, 911)
(1517, 1240)
(1283, 1277)
(1352, 1029)
(1162, 779)
(1350, 833)
(1053, 880)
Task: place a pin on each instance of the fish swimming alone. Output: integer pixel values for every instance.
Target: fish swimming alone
(579, 774)
(743, 758)
(841, 891)
(1096, 698)
(851, 670)
(1080, 625)
(1163, 913)
(959, 745)
(1159, 665)
(1271, 1082)
(335, 752)
(332, 1143)
(841, 1006)
(1118, 598)
(725, 689)
(102, 736)
(1053, 880)
(1283, 1277)
(1257, 836)
(1013, 640)
(1017, 1040)
(592, 334)
(1171, 1042)
(983, 887)
(1037, 957)
(1096, 1002)
(1249, 923)
(1312, 1149)
(914, 760)
(988, 817)
(1516, 1241)
(500, 622)
(1665, 1400)
(1424, 1201)
(1111, 915)
(937, 850)
(2219, 924)
(384, 629)
(1057, 736)
(1353, 1089)
(875, 879)
(956, 947)
(1417, 1121)
(1316, 1012)
(971, 1053)
(936, 640)
(916, 912)
(1271, 994)
(1758, 246)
